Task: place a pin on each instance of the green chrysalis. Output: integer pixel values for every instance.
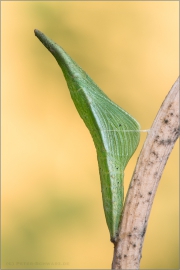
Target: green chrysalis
(110, 126)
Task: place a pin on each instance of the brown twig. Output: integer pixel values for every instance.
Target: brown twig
(152, 160)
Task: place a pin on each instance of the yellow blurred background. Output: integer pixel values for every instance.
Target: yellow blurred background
(52, 214)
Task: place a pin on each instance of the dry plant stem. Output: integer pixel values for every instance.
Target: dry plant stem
(152, 160)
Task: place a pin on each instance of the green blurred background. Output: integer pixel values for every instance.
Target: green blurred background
(52, 214)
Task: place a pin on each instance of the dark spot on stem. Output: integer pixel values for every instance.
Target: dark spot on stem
(165, 142)
(156, 138)
(166, 121)
(177, 131)
(143, 233)
(155, 154)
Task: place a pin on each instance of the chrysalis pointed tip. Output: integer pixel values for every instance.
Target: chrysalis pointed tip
(38, 33)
